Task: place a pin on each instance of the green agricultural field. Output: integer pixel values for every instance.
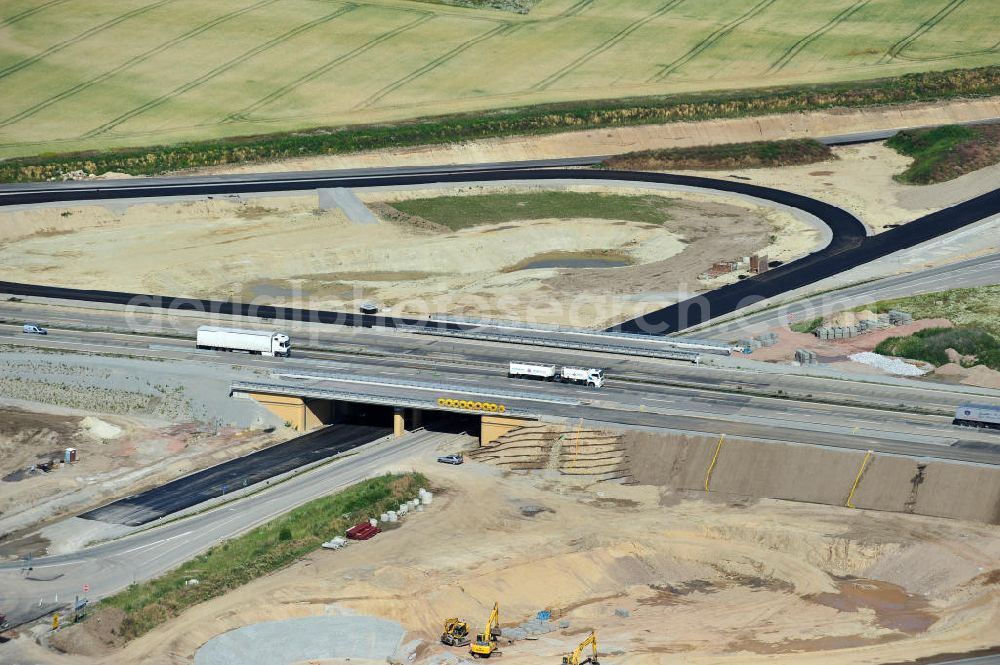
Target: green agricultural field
(105, 73)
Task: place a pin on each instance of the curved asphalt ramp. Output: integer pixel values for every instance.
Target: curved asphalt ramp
(235, 474)
(304, 640)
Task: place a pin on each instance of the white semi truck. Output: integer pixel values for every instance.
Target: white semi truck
(260, 342)
(977, 415)
(581, 375)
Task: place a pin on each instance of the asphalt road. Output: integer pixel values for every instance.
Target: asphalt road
(111, 566)
(238, 473)
(848, 248)
(979, 271)
(847, 231)
(738, 401)
(836, 258)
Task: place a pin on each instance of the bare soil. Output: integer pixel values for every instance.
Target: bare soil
(284, 250)
(759, 582)
(141, 455)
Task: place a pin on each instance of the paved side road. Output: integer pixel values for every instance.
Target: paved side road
(110, 567)
(235, 474)
(980, 271)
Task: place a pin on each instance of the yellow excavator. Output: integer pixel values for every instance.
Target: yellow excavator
(486, 641)
(456, 633)
(574, 658)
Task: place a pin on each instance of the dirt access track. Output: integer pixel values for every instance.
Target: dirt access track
(736, 581)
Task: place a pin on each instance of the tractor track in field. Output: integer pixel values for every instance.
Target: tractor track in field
(803, 43)
(55, 48)
(156, 50)
(711, 40)
(323, 69)
(10, 20)
(502, 28)
(606, 45)
(221, 69)
(920, 31)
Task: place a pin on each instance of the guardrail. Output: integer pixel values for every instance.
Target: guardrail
(709, 345)
(431, 403)
(430, 386)
(666, 354)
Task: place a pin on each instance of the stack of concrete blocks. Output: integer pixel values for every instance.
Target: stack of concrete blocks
(899, 318)
(837, 332)
(533, 627)
(767, 339)
(805, 357)
(868, 325)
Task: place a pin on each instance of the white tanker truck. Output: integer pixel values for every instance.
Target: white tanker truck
(586, 376)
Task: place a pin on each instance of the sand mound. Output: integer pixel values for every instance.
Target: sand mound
(842, 319)
(982, 376)
(951, 369)
(100, 429)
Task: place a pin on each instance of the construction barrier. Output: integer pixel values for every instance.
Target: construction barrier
(469, 405)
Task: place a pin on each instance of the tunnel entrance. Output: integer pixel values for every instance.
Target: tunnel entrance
(405, 419)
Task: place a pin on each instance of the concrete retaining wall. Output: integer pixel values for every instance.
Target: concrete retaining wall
(816, 475)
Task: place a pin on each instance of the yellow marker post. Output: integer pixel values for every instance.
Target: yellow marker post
(857, 479)
(55, 621)
(576, 453)
(715, 457)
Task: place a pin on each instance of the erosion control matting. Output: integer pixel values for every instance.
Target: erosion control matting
(235, 474)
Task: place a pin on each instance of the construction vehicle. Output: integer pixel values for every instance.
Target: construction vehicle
(574, 658)
(456, 633)
(486, 642)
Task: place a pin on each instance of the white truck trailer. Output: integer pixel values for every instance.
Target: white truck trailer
(977, 415)
(532, 370)
(260, 342)
(581, 375)
(586, 376)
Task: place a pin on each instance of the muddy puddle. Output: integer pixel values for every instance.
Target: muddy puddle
(894, 608)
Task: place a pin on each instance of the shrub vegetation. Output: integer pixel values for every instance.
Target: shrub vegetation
(542, 119)
(263, 550)
(946, 152)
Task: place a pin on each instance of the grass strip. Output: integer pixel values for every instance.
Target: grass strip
(946, 152)
(757, 154)
(263, 550)
(977, 306)
(459, 212)
(531, 120)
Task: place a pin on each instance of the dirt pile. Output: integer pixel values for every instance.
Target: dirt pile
(586, 454)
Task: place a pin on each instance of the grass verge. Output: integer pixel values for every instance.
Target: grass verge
(977, 306)
(541, 119)
(931, 344)
(459, 212)
(807, 326)
(757, 154)
(946, 152)
(263, 550)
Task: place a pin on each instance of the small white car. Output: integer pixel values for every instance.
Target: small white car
(451, 459)
(31, 328)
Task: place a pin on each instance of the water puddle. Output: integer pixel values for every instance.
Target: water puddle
(894, 608)
(573, 263)
(271, 290)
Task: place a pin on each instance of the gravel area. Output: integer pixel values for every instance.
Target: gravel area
(301, 640)
(127, 385)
